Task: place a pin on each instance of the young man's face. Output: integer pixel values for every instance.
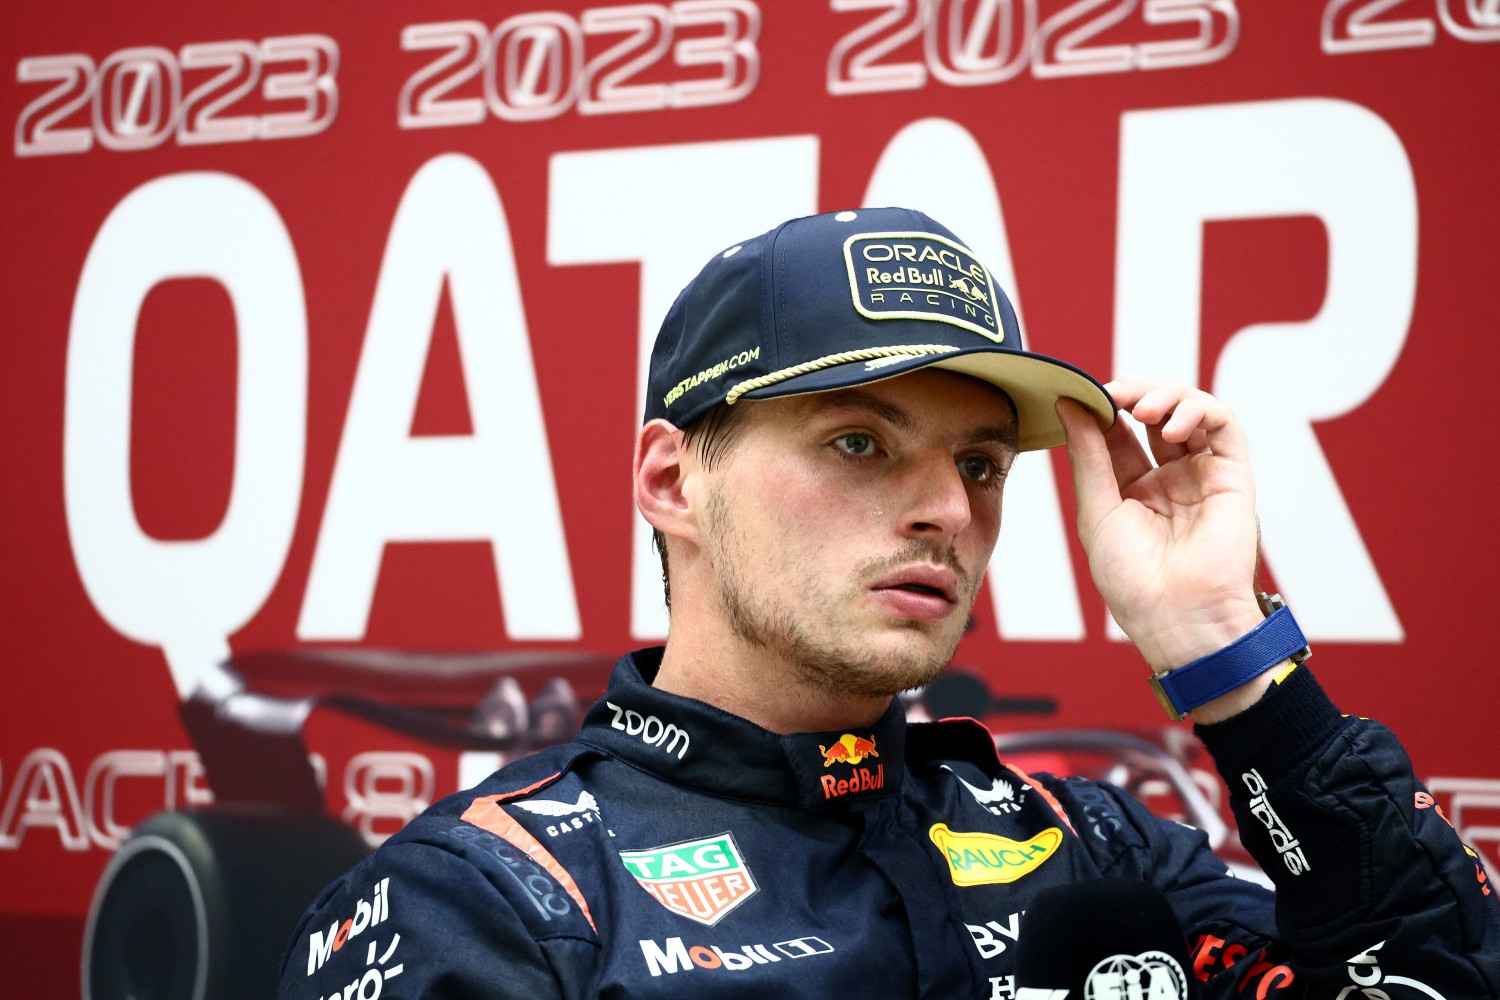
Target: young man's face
(848, 530)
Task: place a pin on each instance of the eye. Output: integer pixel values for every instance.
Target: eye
(857, 444)
(978, 469)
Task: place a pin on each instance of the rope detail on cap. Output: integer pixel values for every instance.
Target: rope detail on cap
(828, 361)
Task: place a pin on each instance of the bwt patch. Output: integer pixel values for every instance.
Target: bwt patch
(922, 276)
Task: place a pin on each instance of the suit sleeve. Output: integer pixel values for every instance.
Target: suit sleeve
(438, 918)
(1230, 923)
(1375, 893)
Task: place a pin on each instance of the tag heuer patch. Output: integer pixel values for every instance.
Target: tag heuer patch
(699, 879)
(921, 276)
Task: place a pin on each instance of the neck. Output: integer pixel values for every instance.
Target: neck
(758, 686)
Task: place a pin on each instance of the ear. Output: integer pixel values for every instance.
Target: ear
(662, 466)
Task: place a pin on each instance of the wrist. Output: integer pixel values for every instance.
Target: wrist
(1232, 678)
(1192, 637)
(1229, 705)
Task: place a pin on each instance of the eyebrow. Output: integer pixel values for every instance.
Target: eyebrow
(859, 400)
(1006, 436)
(1002, 434)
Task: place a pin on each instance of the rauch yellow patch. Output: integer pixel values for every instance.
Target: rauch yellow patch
(987, 858)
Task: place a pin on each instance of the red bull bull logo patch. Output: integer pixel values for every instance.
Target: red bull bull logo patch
(863, 779)
(849, 749)
(989, 859)
(699, 879)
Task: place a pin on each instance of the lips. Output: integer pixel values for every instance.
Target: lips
(921, 592)
(937, 581)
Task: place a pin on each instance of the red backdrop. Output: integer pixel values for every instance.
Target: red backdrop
(322, 331)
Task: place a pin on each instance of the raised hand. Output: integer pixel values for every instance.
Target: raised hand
(1171, 537)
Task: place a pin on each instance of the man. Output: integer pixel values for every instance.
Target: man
(833, 408)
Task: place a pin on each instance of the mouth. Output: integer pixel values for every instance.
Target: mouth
(926, 581)
(919, 588)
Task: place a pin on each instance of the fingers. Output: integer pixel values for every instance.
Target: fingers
(1181, 420)
(1130, 459)
(1091, 458)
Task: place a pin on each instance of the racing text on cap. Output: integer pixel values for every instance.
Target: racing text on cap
(921, 276)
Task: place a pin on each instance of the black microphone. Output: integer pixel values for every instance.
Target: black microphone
(1103, 939)
(960, 693)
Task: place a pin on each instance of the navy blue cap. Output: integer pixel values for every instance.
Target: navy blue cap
(829, 301)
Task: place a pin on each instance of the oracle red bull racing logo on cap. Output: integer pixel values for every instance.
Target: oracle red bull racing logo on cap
(699, 879)
(922, 276)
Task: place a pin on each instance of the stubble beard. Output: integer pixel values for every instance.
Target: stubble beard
(837, 665)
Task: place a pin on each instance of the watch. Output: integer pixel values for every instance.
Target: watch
(1273, 641)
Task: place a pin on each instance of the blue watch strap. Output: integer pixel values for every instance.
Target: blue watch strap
(1276, 639)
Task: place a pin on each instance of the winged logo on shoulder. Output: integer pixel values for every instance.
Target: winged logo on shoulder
(550, 807)
(999, 798)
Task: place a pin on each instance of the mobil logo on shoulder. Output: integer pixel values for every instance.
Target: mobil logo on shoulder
(321, 945)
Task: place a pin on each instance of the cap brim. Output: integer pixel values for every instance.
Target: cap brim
(1034, 382)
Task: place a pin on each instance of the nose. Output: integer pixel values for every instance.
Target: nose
(939, 504)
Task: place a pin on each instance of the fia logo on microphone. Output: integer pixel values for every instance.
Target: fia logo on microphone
(1151, 975)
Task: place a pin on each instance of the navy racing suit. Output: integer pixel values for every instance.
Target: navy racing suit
(674, 849)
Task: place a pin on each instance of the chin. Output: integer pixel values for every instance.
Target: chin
(885, 669)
